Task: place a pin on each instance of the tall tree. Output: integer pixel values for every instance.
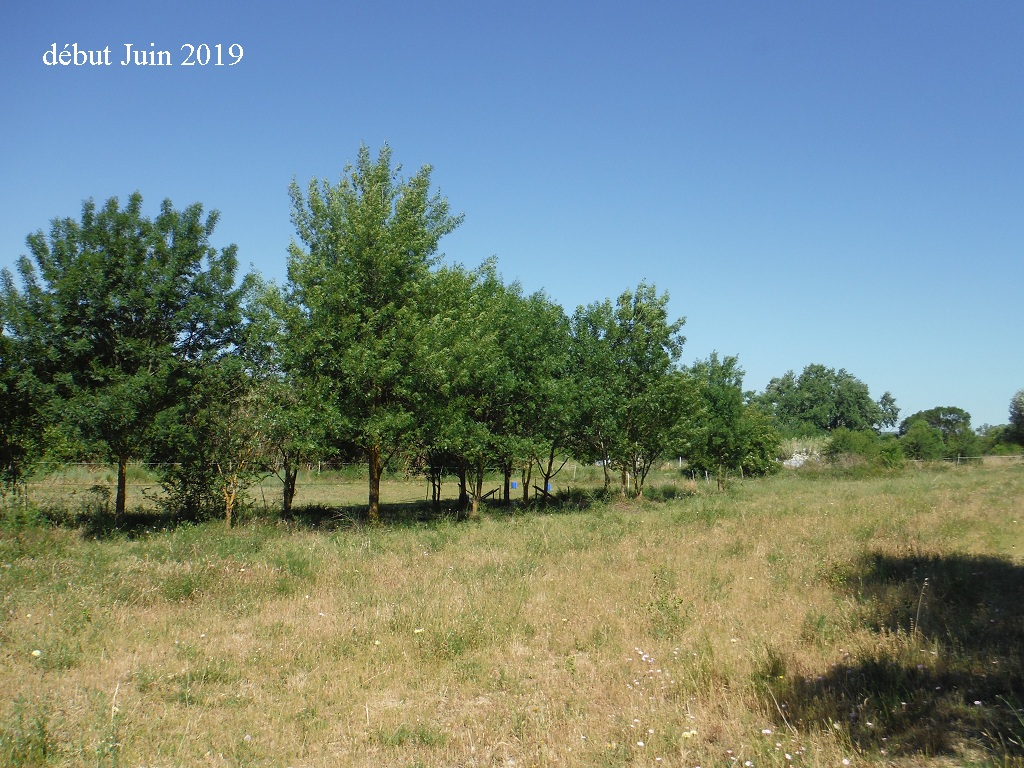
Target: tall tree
(593, 371)
(646, 346)
(114, 307)
(361, 282)
(726, 433)
(823, 399)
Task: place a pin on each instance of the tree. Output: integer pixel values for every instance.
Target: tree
(1017, 417)
(822, 400)
(650, 401)
(954, 427)
(114, 308)
(360, 284)
(290, 427)
(623, 375)
(20, 425)
(921, 441)
(593, 371)
(465, 389)
(715, 442)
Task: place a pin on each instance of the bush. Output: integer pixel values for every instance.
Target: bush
(846, 442)
(923, 442)
(879, 450)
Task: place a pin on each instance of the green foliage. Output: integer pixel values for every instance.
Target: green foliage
(822, 400)
(998, 440)
(761, 443)
(866, 445)
(890, 452)
(361, 286)
(290, 427)
(629, 397)
(726, 434)
(1017, 417)
(848, 442)
(114, 308)
(953, 425)
(494, 380)
(20, 409)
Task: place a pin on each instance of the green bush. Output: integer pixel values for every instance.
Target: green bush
(846, 442)
(923, 442)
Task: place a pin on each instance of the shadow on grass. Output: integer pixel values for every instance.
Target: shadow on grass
(96, 520)
(950, 677)
(323, 517)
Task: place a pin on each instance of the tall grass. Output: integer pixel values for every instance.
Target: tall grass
(787, 621)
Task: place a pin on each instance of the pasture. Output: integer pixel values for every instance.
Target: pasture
(816, 618)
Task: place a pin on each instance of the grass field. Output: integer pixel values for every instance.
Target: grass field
(817, 618)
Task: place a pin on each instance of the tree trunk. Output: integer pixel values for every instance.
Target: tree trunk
(122, 490)
(508, 484)
(625, 482)
(527, 473)
(463, 492)
(291, 474)
(230, 492)
(375, 469)
(478, 482)
(435, 486)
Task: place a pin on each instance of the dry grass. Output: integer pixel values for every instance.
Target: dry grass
(786, 622)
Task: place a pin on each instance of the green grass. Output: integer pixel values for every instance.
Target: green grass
(870, 617)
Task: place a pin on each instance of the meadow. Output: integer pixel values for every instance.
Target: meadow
(821, 617)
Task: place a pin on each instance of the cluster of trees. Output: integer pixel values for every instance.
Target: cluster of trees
(821, 400)
(131, 339)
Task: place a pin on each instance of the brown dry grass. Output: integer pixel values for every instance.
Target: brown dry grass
(746, 625)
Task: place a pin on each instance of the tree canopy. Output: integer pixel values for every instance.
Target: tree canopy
(128, 339)
(361, 283)
(823, 399)
(113, 308)
(953, 426)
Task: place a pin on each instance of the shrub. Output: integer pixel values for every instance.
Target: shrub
(847, 442)
(923, 442)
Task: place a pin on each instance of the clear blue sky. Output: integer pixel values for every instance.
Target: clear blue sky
(812, 182)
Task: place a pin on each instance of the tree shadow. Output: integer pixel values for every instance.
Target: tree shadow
(948, 676)
(416, 513)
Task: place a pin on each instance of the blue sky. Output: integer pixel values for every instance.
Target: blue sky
(812, 182)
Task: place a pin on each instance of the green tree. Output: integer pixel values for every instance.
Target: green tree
(1017, 417)
(715, 437)
(760, 441)
(20, 425)
(290, 427)
(213, 442)
(361, 285)
(921, 441)
(628, 398)
(467, 377)
(822, 400)
(650, 401)
(114, 308)
(954, 426)
(593, 374)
